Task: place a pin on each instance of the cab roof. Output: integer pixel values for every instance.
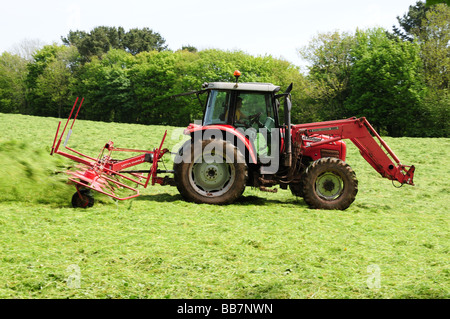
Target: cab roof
(244, 86)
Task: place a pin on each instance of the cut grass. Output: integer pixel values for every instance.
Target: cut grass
(263, 246)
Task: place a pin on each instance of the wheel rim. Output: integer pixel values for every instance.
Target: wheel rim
(329, 186)
(211, 178)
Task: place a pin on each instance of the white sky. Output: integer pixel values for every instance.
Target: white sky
(257, 27)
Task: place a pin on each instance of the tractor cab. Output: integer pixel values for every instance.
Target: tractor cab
(241, 105)
(250, 108)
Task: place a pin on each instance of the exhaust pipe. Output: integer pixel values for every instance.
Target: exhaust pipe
(287, 130)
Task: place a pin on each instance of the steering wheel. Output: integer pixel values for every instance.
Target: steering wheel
(252, 119)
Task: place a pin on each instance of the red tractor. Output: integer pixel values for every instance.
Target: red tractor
(243, 142)
(242, 122)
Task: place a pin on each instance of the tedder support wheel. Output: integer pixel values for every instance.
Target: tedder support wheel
(329, 183)
(215, 173)
(86, 199)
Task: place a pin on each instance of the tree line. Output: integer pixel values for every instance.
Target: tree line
(398, 79)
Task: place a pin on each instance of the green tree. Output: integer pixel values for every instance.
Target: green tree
(434, 39)
(13, 73)
(429, 26)
(411, 22)
(101, 39)
(97, 42)
(189, 48)
(138, 89)
(123, 87)
(48, 79)
(331, 60)
(433, 2)
(53, 85)
(105, 85)
(141, 40)
(153, 79)
(386, 83)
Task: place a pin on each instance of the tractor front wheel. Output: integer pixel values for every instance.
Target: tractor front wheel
(215, 173)
(329, 183)
(297, 189)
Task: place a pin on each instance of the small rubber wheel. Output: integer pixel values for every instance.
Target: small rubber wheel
(329, 183)
(86, 199)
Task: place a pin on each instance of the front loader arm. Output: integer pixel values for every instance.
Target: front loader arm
(359, 130)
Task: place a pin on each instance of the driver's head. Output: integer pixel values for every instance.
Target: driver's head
(238, 103)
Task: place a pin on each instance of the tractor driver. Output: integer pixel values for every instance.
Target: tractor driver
(239, 113)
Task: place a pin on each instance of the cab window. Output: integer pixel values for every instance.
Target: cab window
(217, 107)
(251, 104)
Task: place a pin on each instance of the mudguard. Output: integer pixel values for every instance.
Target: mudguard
(227, 132)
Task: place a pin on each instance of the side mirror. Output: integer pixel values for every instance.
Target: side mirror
(289, 89)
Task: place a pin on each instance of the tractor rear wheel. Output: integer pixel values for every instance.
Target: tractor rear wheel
(216, 173)
(329, 183)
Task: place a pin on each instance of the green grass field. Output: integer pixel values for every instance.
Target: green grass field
(391, 243)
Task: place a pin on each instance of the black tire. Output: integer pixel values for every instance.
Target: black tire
(329, 183)
(297, 189)
(86, 199)
(218, 182)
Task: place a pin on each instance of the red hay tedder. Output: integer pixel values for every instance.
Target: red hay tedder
(241, 142)
(105, 174)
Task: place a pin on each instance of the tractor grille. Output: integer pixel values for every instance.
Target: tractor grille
(329, 153)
